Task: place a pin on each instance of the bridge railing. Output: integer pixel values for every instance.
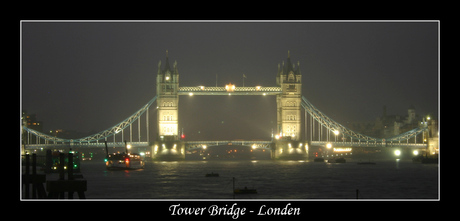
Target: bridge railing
(191, 145)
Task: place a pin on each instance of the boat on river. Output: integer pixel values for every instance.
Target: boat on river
(212, 174)
(244, 190)
(123, 161)
(337, 160)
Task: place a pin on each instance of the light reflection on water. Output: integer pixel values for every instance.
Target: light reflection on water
(272, 179)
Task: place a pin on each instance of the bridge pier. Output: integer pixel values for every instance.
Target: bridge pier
(168, 150)
(289, 150)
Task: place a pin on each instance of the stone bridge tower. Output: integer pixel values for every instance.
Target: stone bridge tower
(168, 100)
(288, 103)
(167, 145)
(289, 144)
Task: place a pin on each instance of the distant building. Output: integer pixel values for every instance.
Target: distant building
(68, 134)
(392, 125)
(433, 136)
(30, 121)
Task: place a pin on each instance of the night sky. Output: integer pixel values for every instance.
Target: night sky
(88, 76)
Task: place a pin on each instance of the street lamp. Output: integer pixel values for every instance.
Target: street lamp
(336, 132)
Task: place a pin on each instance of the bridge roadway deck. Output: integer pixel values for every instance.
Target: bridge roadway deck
(368, 144)
(198, 144)
(144, 144)
(191, 145)
(85, 144)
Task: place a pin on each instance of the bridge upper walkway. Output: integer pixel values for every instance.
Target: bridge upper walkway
(202, 90)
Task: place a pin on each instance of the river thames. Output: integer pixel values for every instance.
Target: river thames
(296, 180)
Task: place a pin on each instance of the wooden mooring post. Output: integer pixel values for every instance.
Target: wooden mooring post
(57, 188)
(34, 179)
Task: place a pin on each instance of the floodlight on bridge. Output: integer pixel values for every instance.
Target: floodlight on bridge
(230, 87)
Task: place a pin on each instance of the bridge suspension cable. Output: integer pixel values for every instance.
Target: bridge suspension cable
(333, 126)
(101, 135)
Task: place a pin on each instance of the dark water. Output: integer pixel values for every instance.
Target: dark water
(391, 179)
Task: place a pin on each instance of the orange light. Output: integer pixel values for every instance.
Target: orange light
(230, 87)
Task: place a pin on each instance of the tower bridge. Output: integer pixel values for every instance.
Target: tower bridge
(318, 129)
